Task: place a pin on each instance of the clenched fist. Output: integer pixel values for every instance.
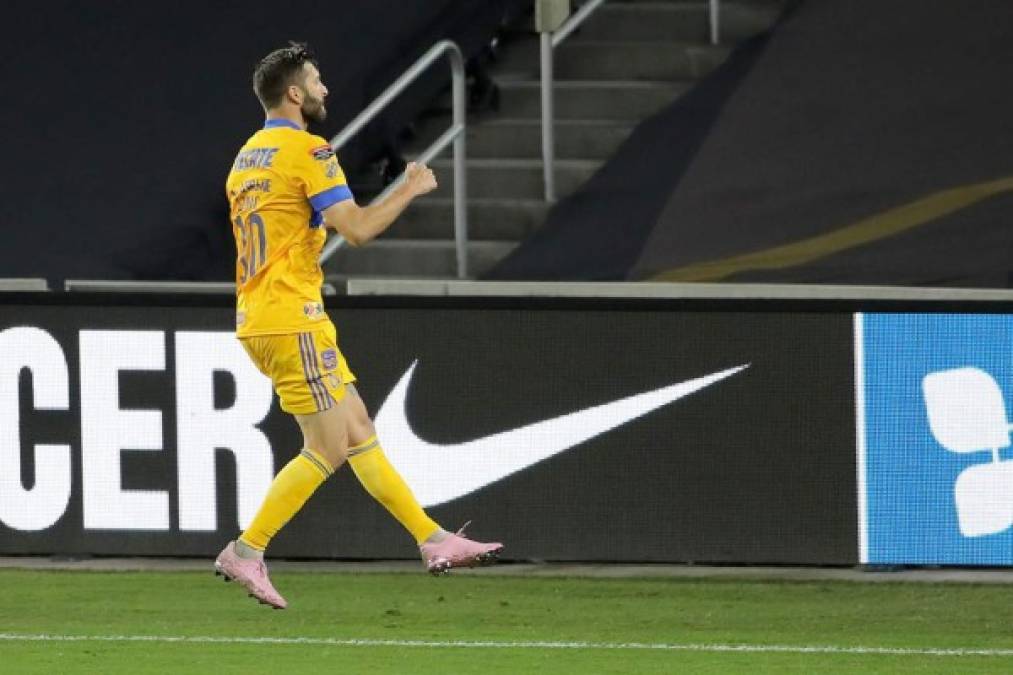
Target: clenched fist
(419, 178)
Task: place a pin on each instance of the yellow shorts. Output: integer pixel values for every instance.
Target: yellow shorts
(308, 371)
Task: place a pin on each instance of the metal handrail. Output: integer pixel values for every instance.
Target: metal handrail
(549, 41)
(454, 134)
(32, 284)
(573, 23)
(588, 8)
(715, 17)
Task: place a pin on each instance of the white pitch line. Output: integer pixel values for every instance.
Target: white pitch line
(455, 644)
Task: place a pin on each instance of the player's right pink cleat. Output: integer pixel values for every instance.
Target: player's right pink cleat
(456, 550)
(251, 573)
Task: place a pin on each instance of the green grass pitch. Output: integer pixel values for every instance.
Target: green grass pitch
(187, 622)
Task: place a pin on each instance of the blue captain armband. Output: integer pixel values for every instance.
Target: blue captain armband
(330, 197)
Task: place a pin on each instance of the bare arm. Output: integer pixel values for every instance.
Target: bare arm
(360, 224)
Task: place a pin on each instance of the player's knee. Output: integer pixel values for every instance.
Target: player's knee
(361, 430)
(334, 451)
(330, 441)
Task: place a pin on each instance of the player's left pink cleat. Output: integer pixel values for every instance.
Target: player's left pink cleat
(456, 550)
(252, 574)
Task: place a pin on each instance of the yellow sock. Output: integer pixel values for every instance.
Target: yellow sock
(288, 492)
(385, 485)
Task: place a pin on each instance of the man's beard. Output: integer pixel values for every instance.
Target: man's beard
(313, 110)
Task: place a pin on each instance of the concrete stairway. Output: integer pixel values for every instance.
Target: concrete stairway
(628, 60)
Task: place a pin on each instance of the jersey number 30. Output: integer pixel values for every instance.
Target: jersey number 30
(252, 245)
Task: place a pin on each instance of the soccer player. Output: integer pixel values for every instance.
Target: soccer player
(285, 188)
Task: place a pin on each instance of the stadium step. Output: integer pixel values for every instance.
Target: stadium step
(488, 219)
(514, 138)
(625, 100)
(513, 178)
(614, 60)
(631, 58)
(673, 20)
(423, 258)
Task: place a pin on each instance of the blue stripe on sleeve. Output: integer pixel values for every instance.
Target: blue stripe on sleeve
(330, 197)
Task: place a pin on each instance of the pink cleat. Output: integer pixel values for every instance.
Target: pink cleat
(252, 574)
(455, 550)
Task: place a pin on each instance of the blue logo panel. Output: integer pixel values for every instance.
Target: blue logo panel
(938, 467)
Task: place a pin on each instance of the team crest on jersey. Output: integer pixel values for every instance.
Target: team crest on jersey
(322, 153)
(240, 318)
(329, 357)
(313, 310)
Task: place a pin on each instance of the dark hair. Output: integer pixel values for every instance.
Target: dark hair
(276, 71)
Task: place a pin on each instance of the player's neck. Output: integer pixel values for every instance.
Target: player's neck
(281, 113)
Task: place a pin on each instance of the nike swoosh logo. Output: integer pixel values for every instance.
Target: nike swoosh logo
(440, 473)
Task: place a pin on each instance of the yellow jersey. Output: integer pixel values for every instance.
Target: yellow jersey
(281, 181)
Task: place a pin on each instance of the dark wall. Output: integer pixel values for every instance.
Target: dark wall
(121, 118)
(860, 142)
